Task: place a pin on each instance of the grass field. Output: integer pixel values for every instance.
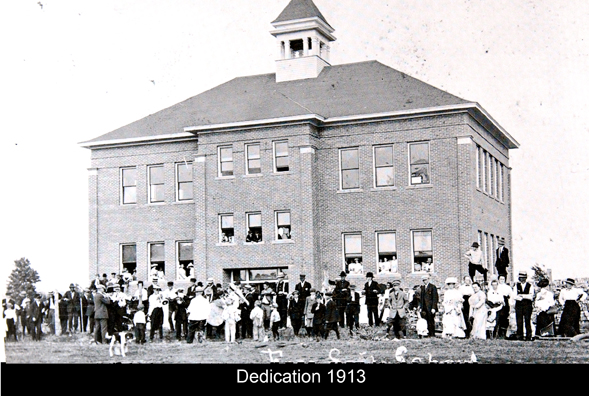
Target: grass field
(369, 348)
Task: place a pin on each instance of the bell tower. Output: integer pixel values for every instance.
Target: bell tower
(304, 38)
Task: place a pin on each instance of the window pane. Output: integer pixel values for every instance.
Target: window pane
(185, 192)
(227, 168)
(419, 174)
(255, 220)
(226, 221)
(283, 218)
(156, 175)
(419, 153)
(226, 154)
(129, 195)
(129, 254)
(282, 162)
(254, 166)
(281, 149)
(383, 156)
(352, 244)
(129, 177)
(386, 242)
(253, 151)
(385, 176)
(350, 179)
(157, 251)
(422, 241)
(184, 172)
(185, 252)
(350, 159)
(156, 193)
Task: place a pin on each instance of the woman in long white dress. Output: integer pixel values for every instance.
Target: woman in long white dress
(478, 312)
(452, 321)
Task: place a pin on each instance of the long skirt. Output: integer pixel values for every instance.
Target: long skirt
(569, 325)
(479, 325)
(545, 324)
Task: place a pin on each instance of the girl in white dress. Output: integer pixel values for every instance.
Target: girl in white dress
(452, 321)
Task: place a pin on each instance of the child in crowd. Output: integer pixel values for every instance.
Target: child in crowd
(139, 323)
(275, 321)
(257, 317)
(231, 317)
(318, 311)
(421, 325)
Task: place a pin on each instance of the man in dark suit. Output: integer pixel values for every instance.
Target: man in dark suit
(35, 317)
(296, 306)
(429, 303)
(371, 291)
(502, 261)
(331, 315)
(282, 298)
(73, 308)
(303, 287)
(340, 295)
(101, 301)
(353, 309)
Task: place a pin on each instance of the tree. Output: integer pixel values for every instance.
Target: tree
(540, 273)
(22, 278)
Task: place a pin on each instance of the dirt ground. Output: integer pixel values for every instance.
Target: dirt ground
(369, 346)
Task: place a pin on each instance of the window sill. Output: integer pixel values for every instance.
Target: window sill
(418, 186)
(224, 177)
(355, 275)
(281, 241)
(422, 272)
(386, 273)
(391, 188)
(253, 175)
(155, 203)
(187, 201)
(351, 190)
(226, 244)
(253, 243)
(280, 173)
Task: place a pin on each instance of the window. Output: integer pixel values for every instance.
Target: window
(384, 171)
(157, 261)
(501, 189)
(386, 246)
(493, 253)
(254, 228)
(184, 181)
(226, 161)
(423, 256)
(350, 169)
(226, 230)
(156, 183)
(283, 230)
(497, 187)
(478, 166)
(419, 163)
(484, 170)
(281, 160)
(256, 276)
(353, 254)
(185, 261)
(492, 175)
(129, 258)
(129, 185)
(254, 164)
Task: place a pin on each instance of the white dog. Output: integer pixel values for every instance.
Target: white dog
(118, 343)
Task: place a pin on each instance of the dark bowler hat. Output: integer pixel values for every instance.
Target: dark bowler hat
(343, 273)
(570, 281)
(170, 283)
(72, 285)
(475, 244)
(370, 275)
(543, 283)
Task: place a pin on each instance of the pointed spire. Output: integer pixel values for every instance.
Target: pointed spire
(300, 9)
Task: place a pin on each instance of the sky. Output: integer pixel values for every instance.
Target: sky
(73, 70)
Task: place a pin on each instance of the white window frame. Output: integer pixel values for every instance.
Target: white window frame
(501, 183)
(484, 171)
(429, 163)
(276, 228)
(122, 186)
(178, 182)
(374, 167)
(275, 156)
(149, 244)
(344, 261)
(431, 231)
(220, 161)
(163, 184)
(377, 247)
(478, 166)
(247, 226)
(341, 171)
(220, 236)
(247, 158)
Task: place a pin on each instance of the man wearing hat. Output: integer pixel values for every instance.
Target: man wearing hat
(72, 297)
(156, 313)
(296, 308)
(198, 312)
(341, 292)
(476, 260)
(101, 301)
(398, 303)
(353, 310)
(246, 324)
(502, 261)
(282, 298)
(331, 315)
(371, 291)
(35, 317)
(524, 296)
(169, 295)
(303, 287)
(429, 303)
(21, 311)
(210, 290)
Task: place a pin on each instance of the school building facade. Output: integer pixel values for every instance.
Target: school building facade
(314, 169)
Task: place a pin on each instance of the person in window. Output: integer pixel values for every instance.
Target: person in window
(356, 267)
(257, 237)
(384, 265)
(224, 238)
(394, 265)
(283, 233)
(417, 267)
(250, 237)
(181, 272)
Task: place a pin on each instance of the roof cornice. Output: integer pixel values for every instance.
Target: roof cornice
(138, 140)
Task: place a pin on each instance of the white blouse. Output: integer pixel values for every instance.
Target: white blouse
(571, 294)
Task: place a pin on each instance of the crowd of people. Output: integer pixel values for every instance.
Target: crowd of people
(467, 309)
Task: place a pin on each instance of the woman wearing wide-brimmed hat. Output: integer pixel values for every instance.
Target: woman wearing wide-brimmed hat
(453, 320)
(570, 319)
(544, 302)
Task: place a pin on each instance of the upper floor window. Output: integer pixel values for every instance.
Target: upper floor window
(226, 161)
(419, 163)
(387, 252)
(349, 169)
(254, 163)
(353, 254)
(184, 181)
(254, 227)
(226, 230)
(129, 185)
(384, 171)
(423, 255)
(156, 183)
(283, 227)
(281, 159)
